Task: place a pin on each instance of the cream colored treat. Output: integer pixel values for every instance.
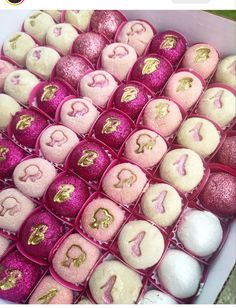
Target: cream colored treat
(79, 18)
(19, 85)
(182, 168)
(61, 36)
(33, 176)
(118, 59)
(157, 297)
(41, 61)
(162, 204)
(200, 232)
(219, 105)
(140, 244)
(37, 25)
(179, 273)
(8, 108)
(199, 135)
(55, 14)
(17, 46)
(14, 209)
(114, 283)
(49, 291)
(84, 301)
(226, 71)
(137, 34)
(4, 244)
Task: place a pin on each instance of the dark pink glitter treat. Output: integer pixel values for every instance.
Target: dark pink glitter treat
(18, 276)
(106, 22)
(40, 233)
(72, 69)
(27, 125)
(113, 128)
(219, 194)
(10, 157)
(130, 98)
(89, 45)
(89, 160)
(152, 70)
(169, 44)
(50, 95)
(227, 153)
(66, 195)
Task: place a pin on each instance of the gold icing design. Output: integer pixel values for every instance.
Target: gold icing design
(202, 54)
(110, 126)
(74, 255)
(169, 42)
(37, 235)
(145, 141)
(32, 19)
(46, 299)
(161, 110)
(150, 65)
(14, 40)
(49, 92)
(126, 178)
(102, 217)
(64, 193)
(3, 153)
(9, 282)
(184, 84)
(130, 93)
(24, 122)
(88, 158)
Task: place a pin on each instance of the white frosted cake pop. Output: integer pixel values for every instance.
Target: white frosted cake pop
(8, 108)
(157, 297)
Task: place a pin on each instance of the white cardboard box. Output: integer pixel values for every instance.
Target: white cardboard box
(197, 26)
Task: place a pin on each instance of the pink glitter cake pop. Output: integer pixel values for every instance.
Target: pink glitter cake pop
(66, 195)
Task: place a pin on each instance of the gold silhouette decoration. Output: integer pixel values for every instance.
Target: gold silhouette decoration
(202, 54)
(25, 121)
(150, 65)
(3, 153)
(9, 282)
(169, 42)
(102, 217)
(161, 110)
(184, 84)
(126, 178)
(14, 40)
(145, 141)
(130, 93)
(88, 158)
(75, 255)
(64, 193)
(110, 126)
(38, 234)
(33, 19)
(49, 92)
(46, 299)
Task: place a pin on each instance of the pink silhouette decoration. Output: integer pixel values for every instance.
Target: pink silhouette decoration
(180, 165)
(196, 132)
(119, 52)
(15, 80)
(108, 286)
(10, 205)
(136, 251)
(217, 99)
(57, 31)
(99, 81)
(159, 200)
(32, 173)
(37, 54)
(57, 138)
(78, 109)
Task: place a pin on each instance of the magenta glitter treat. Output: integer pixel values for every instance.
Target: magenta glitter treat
(72, 68)
(50, 95)
(152, 70)
(219, 194)
(113, 128)
(130, 98)
(27, 125)
(18, 276)
(66, 195)
(227, 154)
(169, 44)
(89, 160)
(106, 22)
(10, 156)
(90, 45)
(40, 233)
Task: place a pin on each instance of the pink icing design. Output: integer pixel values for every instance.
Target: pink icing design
(136, 29)
(32, 172)
(78, 109)
(180, 164)
(108, 286)
(99, 81)
(119, 52)
(10, 205)
(57, 31)
(232, 68)
(15, 80)
(136, 251)
(37, 54)
(159, 200)
(196, 132)
(57, 138)
(217, 99)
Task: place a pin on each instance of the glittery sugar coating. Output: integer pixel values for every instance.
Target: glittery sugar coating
(27, 125)
(227, 154)
(130, 98)
(90, 45)
(40, 233)
(89, 160)
(169, 44)
(10, 157)
(106, 22)
(25, 275)
(152, 70)
(219, 194)
(66, 195)
(72, 69)
(113, 128)
(50, 95)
